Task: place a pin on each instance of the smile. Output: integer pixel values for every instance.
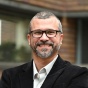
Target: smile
(44, 45)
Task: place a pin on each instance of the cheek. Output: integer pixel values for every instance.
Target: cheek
(33, 42)
(56, 41)
(59, 39)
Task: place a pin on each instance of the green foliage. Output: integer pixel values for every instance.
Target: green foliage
(9, 53)
(23, 55)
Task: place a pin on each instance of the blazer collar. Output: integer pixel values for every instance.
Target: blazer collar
(59, 64)
(55, 72)
(26, 77)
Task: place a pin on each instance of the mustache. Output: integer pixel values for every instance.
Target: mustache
(44, 43)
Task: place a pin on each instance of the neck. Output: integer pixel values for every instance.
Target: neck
(42, 62)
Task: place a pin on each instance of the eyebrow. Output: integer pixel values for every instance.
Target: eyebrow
(42, 30)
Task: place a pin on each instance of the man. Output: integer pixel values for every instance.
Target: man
(47, 69)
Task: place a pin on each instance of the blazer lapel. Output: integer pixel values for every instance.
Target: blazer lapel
(50, 80)
(55, 72)
(26, 77)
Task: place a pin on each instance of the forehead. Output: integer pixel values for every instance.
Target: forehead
(49, 23)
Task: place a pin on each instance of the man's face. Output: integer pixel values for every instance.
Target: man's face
(44, 46)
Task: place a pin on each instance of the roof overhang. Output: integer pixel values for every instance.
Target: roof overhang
(12, 8)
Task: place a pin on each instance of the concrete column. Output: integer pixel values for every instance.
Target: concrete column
(0, 32)
(21, 31)
(68, 44)
(79, 42)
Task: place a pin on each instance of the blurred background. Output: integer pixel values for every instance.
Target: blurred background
(15, 16)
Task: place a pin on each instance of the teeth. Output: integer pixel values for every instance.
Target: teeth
(44, 45)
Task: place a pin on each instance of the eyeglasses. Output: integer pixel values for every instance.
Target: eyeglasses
(49, 33)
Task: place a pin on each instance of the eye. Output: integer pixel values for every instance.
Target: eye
(50, 32)
(37, 32)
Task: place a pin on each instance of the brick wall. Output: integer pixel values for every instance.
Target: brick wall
(68, 48)
(7, 31)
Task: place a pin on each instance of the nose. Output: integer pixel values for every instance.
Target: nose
(44, 37)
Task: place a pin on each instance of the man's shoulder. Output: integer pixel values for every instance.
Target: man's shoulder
(18, 69)
(76, 72)
(78, 75)
(74, 69)
(75, 75)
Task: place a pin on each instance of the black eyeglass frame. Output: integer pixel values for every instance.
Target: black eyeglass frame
(31, 32)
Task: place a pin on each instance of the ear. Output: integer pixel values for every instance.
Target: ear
(61, 38)
(28, 37)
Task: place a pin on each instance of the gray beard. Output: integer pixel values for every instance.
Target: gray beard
(45, 54)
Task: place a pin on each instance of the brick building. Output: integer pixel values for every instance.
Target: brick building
(72, 13)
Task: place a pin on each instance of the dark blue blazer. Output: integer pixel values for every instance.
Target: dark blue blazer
(62, 75)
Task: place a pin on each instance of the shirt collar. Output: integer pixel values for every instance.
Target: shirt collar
(50, 65)
(46, 69)
(34, 70)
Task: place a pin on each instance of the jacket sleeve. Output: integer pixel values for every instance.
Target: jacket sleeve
(72, 77)
(5, 80)
(80, 80)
